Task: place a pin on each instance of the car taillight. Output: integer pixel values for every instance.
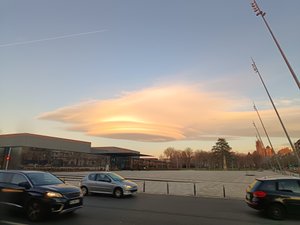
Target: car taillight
(259, 194)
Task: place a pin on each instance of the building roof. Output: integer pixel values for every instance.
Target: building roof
(40, 136)
(115, 151)
(42, 141)
(55, 143)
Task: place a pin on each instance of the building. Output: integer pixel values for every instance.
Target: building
(119, 158)
(263, 151)
(284, 151)
(32, 151)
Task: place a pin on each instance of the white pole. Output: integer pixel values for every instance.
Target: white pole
(262, 14)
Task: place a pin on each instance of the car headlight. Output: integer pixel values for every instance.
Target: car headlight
(53, 195)
(127, 187)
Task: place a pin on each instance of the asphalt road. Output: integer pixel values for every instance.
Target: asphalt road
(146, 209)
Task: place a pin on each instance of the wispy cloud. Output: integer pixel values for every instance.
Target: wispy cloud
(166, 113)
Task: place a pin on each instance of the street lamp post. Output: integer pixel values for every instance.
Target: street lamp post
(283, 127)
(262, 14)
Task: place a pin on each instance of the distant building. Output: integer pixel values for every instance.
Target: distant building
(269, 151)
(32, 151)
(263, 151)
(260, 149)
(284, 151)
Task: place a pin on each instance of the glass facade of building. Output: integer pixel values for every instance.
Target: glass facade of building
(49, 159)
(37, 152)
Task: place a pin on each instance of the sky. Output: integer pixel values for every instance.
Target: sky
(148, 75)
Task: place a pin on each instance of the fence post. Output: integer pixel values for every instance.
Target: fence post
(144, 186)
(195, 193)
(224, 194)
(167, 187)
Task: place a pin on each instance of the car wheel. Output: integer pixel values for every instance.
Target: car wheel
(84, 191)
(276, 211)
(34, 211)
(118, 193)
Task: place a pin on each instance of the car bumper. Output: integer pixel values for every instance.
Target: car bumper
(254, 205)
(70, 210)
(130, 192)
(60, 206)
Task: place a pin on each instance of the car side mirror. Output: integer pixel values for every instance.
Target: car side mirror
(25, 185)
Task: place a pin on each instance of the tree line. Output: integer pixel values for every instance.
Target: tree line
(222, 157)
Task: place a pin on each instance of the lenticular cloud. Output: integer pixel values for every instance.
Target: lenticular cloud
(181, 112)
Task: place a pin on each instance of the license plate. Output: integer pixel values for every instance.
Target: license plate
(75, 201)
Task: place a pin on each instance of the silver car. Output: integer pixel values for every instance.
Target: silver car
(107, 183)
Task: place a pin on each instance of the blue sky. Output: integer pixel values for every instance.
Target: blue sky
(147, 75)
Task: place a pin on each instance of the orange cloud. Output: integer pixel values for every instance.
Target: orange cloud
(179, 112)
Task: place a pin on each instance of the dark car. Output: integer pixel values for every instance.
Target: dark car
(277, 196)
(38, 193)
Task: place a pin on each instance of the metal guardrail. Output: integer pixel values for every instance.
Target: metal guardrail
(204, 187)
(167, 184)
(67, 177)
(79, 177)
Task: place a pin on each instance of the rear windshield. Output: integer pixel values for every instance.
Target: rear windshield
(269, 185)
(40, 179)
(254, 185)
(266, 185)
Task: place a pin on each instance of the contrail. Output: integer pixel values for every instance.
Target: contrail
(50, 39)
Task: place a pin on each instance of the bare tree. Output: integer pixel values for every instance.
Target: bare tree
(203, 159)
(188, 154)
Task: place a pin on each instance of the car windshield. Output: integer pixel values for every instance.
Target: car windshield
(116, 177)
(40, 179)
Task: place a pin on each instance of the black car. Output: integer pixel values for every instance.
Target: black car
(38, 193)
(277, 196)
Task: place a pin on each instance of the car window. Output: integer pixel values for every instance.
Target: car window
(268, 186)
(102, 177)
(289, 185)
(92, 176)
(5, 177)
(17, 179)
(1, 177)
